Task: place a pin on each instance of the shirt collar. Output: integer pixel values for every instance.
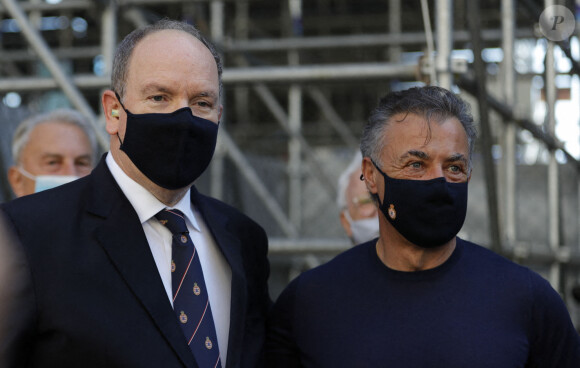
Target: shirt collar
(145, 203)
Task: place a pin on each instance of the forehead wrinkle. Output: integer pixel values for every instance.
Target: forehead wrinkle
(51, 155)
(155, 87)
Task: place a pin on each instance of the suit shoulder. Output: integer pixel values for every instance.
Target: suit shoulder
(229, 210)
(51, 202)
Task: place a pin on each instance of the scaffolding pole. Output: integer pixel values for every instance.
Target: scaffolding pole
(552, 176)
(283, 74)
(444, 26)
(509, 136)
(217, 168)
(63, 81)
(486, 132)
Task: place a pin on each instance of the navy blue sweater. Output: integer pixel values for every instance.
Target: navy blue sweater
(475, 310)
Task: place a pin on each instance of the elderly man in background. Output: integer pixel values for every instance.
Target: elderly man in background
(358, 213)
(419, 296)
(50, 149)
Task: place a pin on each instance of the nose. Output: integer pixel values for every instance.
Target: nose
(69, 168)
(181, 103)
(436, 171)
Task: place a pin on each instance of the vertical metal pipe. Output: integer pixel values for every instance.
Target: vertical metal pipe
(295, 150)
(108, 45)
(241, 32)
(552, 177)
(295, 123)
(473, 17)
(217, 166)
(109, 35)
(429, 37)
(509, 136)
(444, 26)
(217, 20)
(395, 28)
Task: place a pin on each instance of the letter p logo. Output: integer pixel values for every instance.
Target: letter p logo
(558, 19)
(557, 23)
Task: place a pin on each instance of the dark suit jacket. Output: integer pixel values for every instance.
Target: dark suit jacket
(93, 296)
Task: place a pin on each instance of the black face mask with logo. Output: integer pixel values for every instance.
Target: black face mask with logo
(428, 213)
(172, 149)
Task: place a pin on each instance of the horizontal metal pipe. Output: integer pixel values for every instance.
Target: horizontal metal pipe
(307, 245)
(64, 5)
(240, 75)
(369, 40)
(318, 72)
(88, 4)
(81, 52)
(361, 40)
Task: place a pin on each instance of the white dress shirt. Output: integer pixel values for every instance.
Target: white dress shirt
(216, 270)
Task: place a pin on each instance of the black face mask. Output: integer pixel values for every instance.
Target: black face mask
(172, 150)
(428, 213)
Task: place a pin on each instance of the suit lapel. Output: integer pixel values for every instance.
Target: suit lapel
(121, 236)
(230, 246)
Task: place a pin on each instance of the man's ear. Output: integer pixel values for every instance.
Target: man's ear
(369, 172)
(112, 110)
(16, 180)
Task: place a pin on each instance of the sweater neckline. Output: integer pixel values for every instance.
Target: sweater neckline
(423, 274)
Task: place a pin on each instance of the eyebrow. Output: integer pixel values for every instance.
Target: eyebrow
(416, 153)
(210, 94)
(424, 156)
(457, 157)
(51, 155)
(155, 87)
(85, 156)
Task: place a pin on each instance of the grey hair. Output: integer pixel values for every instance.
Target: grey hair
(430, 102)
(68, 116)
(125, 50)
(344, 179)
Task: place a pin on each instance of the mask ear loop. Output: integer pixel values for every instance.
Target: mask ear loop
(121, 103)
(126, 111)
(26, 173)
(375, 196)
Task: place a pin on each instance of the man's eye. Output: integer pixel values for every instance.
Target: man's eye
(157, 98)
(455, 169)
(415, 165)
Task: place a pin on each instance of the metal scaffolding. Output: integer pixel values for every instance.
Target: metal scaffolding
(299, 85)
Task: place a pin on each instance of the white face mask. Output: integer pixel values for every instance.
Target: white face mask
(363, 230)
(44, 182)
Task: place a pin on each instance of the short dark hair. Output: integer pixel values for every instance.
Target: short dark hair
(430, 101)
(125, 50)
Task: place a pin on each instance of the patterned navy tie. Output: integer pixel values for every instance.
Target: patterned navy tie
(190, 298)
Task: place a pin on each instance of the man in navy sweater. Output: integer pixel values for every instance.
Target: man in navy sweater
(418, 296)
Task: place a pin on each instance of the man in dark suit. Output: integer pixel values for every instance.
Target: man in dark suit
(99, 283)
